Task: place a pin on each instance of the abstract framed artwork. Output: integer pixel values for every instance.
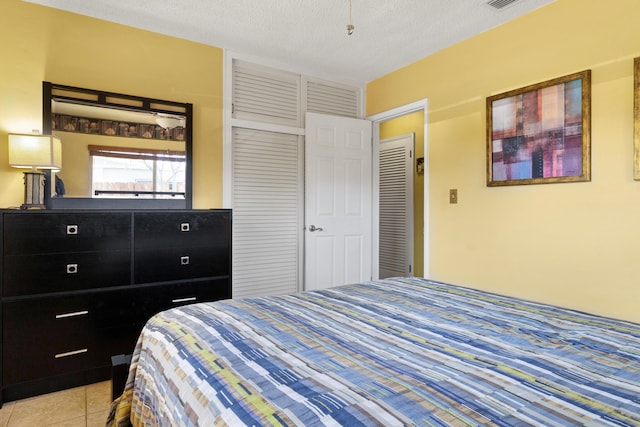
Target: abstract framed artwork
(540, 133)
(636, 119)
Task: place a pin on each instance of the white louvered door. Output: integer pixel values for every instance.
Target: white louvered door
(266, 212)
(264, 95)
(267, 146)
(337, 100)
(396, 207)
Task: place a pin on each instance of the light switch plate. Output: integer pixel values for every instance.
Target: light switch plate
(453, 196)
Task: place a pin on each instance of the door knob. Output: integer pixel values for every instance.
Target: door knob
(313, 228)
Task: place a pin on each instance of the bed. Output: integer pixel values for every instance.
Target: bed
(394, 352)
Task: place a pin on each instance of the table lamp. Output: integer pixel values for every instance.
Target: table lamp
(34, 151)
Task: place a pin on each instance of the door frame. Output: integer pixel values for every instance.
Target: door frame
(377, 119)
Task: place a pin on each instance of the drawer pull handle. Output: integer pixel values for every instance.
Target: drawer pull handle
(184, 226)
(183, 299)
(74, 314)
(72, 229)
(71, 353)
(184, 260)
(72, 268)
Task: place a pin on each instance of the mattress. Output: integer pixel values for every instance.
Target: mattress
(395, 352)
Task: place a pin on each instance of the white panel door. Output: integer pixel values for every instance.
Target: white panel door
(338, 197)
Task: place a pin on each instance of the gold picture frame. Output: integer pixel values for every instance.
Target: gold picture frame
(636, 119)
(540, 133)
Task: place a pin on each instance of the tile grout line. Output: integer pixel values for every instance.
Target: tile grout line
(86, 406)
(10, 413)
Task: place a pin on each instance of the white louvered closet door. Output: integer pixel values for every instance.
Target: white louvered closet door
(337, 100)
(396, 207)
(264, 95)
(266, 212)
(268, 172)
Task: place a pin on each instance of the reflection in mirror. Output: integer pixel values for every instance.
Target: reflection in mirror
(125, 150)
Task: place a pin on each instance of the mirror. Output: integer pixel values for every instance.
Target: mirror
(118, 151)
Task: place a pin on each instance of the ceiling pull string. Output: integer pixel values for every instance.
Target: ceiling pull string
(350, 26)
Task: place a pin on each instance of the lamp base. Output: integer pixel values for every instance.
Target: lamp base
(33, 190)
(26, 206)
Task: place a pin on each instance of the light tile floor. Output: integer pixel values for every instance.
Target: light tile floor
(85, 406)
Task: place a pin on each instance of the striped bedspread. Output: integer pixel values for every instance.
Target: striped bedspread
(393, 352)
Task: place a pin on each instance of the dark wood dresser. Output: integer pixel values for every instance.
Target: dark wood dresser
(77, 286)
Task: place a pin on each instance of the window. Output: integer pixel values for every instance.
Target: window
(124, 172)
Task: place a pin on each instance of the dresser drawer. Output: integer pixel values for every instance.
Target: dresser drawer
(42, 233)
(37, 274)
(47, 336)
(177, 294)
(154, 230)
(160, 265)
(120, 315)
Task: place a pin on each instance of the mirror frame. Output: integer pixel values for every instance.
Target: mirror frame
(97, 98)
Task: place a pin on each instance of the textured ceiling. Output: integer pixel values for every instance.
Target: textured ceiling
(309, 36)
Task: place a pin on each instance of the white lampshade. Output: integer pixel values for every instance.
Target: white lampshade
(35, 151)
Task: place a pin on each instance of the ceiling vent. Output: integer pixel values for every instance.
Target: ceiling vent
(501, 4)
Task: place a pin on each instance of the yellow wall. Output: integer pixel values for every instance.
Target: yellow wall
(412, 123)
(568, 244)
(41, 43)
(572, 244)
